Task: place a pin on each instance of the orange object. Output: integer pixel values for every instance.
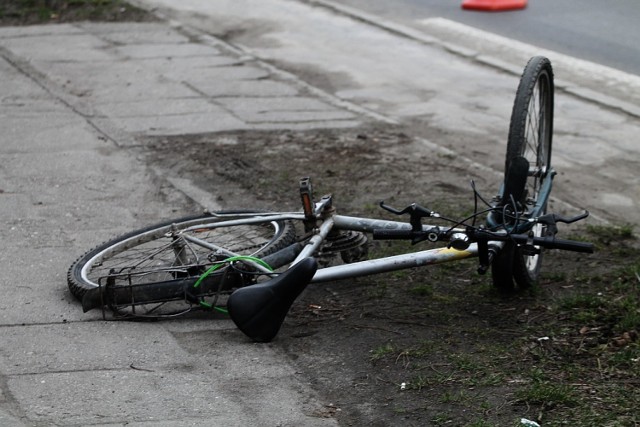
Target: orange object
(494, 5)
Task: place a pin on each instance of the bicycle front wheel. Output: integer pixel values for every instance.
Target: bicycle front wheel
(178, 248)
(530, 136)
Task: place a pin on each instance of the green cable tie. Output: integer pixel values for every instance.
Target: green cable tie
(214, 267)
(212, 307)
(231, 259)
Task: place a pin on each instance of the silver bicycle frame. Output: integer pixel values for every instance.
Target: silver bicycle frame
(384, 264)
(341, 222)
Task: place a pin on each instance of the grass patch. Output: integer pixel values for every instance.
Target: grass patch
(423, 290)
(381, 352)
(609, 233)
(574, 349)
(34, 12)
(548, 394)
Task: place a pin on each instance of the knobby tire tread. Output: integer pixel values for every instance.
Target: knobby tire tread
(509, 267)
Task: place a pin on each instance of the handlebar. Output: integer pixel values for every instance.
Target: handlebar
(434, 234)
(548, 242)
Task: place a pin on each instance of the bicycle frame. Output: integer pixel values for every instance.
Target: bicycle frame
(384, 264)
(342, 222)
(537, 209)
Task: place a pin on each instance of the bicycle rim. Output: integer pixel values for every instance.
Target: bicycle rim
(531, 129)
(530, 136)
(163, 252)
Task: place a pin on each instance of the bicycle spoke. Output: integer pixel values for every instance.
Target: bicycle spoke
(166, 251)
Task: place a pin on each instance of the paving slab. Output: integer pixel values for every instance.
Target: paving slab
(101, 67)
(59, 47)
(246, 88)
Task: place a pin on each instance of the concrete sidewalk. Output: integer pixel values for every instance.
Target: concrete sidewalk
(73, 97)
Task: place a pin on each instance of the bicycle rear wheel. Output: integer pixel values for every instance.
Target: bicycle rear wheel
(530, 136)
(160, 254)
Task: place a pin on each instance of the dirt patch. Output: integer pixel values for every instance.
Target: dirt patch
(434, 346)
(359, 167)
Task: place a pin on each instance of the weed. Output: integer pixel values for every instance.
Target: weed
(548, 394)
(441, 419)
(381, 352)
(556, 276)
(464, 362)
(399, 410)
(453, 397)
(26, 12)
(424, 290)
(424, 348)
(628, 357)
(480, 423)
(377, 292)
(418, 383)
(537, 375)
(582, 302)
(611, 232)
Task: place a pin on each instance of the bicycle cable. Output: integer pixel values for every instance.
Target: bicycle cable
(219, 265)
(505, 214)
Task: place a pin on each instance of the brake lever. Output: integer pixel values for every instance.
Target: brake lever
(550, 220)
(394, 210)
(415, 211)
(572, 219)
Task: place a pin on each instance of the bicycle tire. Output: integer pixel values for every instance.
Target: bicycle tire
(149, 249)
(530, 136)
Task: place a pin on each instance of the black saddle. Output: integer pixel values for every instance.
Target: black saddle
(259, 310)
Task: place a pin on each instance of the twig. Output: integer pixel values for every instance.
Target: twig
(140, 369)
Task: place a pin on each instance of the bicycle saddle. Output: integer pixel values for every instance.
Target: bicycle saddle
(259, 310)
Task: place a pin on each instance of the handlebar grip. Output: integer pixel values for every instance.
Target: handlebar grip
(381, 234)
(549, 242)
(567, 245)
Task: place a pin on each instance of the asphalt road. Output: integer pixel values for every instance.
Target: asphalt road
(596, 31)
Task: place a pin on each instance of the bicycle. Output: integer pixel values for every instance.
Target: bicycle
(260, 262)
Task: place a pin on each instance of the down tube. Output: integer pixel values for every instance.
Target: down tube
(393, 263)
